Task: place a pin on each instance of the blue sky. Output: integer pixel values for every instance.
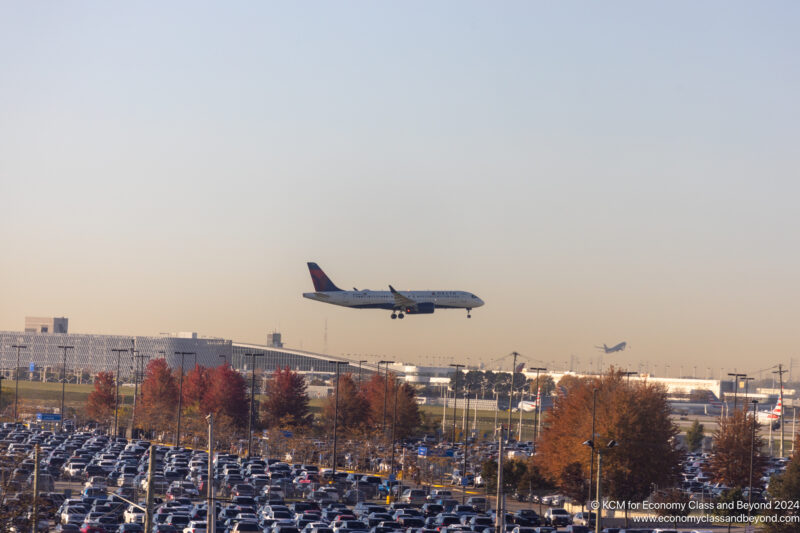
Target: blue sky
(595, 172)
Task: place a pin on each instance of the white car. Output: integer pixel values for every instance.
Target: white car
(133, 515)
(196, 527)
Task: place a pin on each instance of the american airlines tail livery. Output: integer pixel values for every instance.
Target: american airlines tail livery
(400, 303)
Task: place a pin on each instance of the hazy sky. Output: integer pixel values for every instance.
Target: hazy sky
(596, 172)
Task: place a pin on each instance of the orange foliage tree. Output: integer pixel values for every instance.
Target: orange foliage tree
(733, 439)
(227, 395)
(100, 403)
(352, 407)
(159, 398)
(408, 414)
(286, 402)
(635, 415)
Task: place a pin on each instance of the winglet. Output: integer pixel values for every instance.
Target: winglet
(322, 283)
(392, 289)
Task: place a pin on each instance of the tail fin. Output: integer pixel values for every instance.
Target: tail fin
(322, 283)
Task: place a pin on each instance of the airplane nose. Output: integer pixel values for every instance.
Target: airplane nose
(480, 302)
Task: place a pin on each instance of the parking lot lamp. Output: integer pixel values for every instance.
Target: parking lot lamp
(16, 378)
(63, 384)
(336, 414)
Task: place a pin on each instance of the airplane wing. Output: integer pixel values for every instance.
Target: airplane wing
(400, 300)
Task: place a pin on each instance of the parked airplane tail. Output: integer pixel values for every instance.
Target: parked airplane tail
(322, 283)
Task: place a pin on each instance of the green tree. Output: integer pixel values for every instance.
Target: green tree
(514, 472)
(694, 436)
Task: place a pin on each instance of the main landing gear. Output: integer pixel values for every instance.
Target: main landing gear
(397, 315)
(468, 310)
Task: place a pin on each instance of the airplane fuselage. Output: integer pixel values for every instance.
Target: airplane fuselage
(367, 299)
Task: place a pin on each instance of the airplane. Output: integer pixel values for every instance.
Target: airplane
(399, 303)
(618, 348)
(771, 417)
(528, 405)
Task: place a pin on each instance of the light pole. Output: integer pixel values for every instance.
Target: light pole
(455, 398)
(16, 377)
(63, 384)
(537, 407)
(385, 389)
(752, 453)
(591, 439)
(359, 371)
(252, 398)
(511, 392)
(138, 363)
(394, 425)
(117, 351)
(735, 386)
(599, 500)
(180, 401)
(211, 513)
(336, 413)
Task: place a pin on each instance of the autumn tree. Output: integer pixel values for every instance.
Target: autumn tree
(227, 395)
(733, 443)
(159, 399)
(786, 488)
(694, 436)
(353, 408)
(286, 401)
(635, 415)
(195, 389)
(100, 403)
(408, 413)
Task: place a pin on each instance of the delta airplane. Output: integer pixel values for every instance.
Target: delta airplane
(618, 348)
(399, 303)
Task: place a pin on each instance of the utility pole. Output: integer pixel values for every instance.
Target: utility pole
(511, 391)
(63, 384)
(780, 373)
(16, 379)
(117, 351)
(252, 398)
(455, 398)
(180, 400)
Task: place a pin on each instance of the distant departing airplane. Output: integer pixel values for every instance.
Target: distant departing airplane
(618, 348)
(400, 303)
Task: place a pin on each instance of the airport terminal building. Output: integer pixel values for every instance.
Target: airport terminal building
(46, 347)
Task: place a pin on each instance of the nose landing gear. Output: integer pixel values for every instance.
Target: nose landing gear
(468, 310)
